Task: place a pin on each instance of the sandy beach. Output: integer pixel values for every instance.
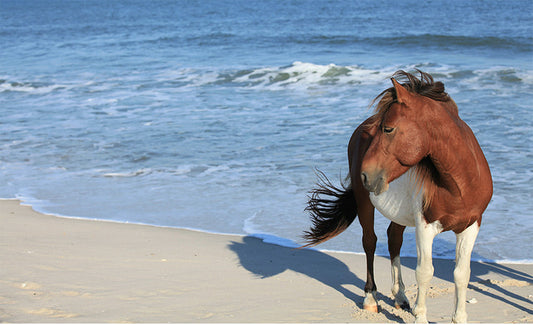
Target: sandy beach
(68, 270)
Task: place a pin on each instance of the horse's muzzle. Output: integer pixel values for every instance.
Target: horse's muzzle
(375, 181)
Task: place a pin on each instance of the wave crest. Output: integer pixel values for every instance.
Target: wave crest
(301, 75)
(297, 75)
(28, 87)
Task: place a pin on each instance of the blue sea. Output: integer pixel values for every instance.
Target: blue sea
(213, 114)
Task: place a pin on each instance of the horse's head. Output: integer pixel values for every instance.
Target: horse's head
(399, 141)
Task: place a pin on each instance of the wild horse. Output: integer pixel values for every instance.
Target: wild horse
(421, 166)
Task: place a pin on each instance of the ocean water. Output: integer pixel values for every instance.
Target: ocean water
(212, 115)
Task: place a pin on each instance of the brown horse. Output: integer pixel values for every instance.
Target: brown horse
(421, 166)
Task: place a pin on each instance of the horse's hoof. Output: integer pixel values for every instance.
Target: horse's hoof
(459, 318)
(372, 308)
(421, 321)
(404, 306)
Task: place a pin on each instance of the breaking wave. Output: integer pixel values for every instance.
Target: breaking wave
(298, 75)
(308, 75)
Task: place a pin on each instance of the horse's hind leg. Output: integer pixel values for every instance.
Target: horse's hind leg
(461, 273)
(395, 235)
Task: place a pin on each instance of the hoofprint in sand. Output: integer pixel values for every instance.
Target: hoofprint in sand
(69, 270)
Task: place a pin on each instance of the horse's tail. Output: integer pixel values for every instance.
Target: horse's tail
(330, 216)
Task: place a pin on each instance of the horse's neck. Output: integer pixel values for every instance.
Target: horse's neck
(463, 187)
(455, 159)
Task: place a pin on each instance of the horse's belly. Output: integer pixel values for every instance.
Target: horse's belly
(402, 202)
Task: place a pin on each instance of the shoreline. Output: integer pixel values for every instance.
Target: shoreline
(62, 269)
(265, 237)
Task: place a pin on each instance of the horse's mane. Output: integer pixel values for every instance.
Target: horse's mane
(425, 86)
(426, 173)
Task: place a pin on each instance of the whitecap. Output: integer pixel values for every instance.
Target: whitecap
(182, 170)
(139, 172)
(214, 169)
(302, 74)
(29, 87)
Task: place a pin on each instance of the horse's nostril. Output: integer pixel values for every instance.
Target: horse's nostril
(364, 178)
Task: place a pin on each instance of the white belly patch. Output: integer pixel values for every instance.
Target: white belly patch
(402, 202)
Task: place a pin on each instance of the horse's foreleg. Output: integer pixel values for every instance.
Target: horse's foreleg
(395, 235)
(369, 244)
(461, 273)
(425, 233)
(366, 219)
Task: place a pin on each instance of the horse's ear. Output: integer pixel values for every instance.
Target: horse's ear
(402, 95)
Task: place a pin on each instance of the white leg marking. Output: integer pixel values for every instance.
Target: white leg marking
(398, 288)
(425, 233)
(461, 273)
(370, 303)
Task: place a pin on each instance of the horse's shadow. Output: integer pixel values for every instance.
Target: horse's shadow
(265, 260)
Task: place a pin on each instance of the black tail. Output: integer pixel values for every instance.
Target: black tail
(330, 216)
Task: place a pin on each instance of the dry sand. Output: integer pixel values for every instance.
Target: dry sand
(68, 270)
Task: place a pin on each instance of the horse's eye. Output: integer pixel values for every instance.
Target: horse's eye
(388, 129)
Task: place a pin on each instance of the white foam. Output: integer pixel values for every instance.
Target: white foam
(306, 75)
(182, 170)
(215, 169)
(252, 230)
(249, 227)
(526, 76)
(29, 88)
(139, 172)
(301, 74)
